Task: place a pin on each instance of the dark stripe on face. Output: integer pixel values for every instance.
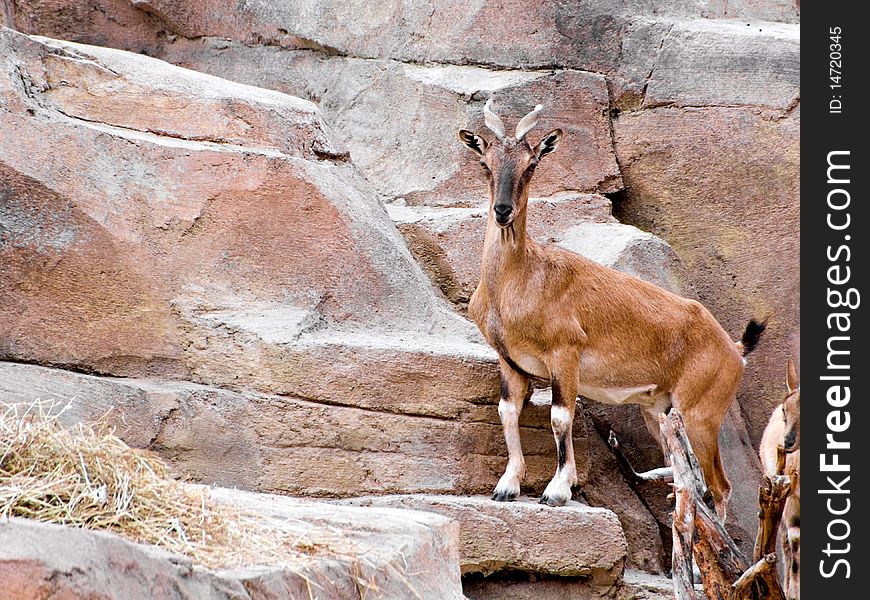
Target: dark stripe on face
(562, 450)
(504, 192)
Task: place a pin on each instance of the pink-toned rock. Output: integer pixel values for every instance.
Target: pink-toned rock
(400, 120)
(288, 445)
(512, 33)
(386, 553)
(623, 41)
(570, 540)
(722, 186)
(218, 236)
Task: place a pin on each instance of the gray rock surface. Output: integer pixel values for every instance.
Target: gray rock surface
(384, 553)
(290, 445)
(218, 236)
(570, 540)
(400, 120)
(727, 62)
(629, 250)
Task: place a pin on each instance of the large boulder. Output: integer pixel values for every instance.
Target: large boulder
(384, 553)
(400, 120)
(722, 185)
(630, 250)
(289, 445)
(157, 221)
(570, 541)
(725, 62)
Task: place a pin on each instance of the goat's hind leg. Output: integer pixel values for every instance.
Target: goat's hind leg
(514, 387)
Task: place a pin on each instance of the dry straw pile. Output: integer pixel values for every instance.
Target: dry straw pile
(87, 477)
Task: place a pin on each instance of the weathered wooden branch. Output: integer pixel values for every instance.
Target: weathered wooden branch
(763, 570)
(662, 474)
(772, 494)
(683, 460)
(686, 495)
(718, 558)
(681, 556)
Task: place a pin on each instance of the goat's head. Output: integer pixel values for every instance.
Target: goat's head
(509, 162)
(791, 411)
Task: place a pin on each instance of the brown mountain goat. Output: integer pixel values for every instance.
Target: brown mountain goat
(587, 329)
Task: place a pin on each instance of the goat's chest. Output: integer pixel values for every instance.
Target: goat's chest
(514, 340)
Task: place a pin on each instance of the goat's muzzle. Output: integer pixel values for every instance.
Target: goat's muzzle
(503, 214)
(788, 442)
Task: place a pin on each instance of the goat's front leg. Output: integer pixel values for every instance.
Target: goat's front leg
(564, 386)
(514, 387)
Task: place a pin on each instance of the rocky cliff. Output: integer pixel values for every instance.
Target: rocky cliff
(257, 215)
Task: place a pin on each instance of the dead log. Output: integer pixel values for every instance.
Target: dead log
(683, 461)
(718, 558)
(661, 475)
(681, 556)
(764, 570)
(686, 495)
(772, 494)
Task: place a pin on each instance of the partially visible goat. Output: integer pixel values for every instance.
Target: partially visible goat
(554, 315)
(784, 428)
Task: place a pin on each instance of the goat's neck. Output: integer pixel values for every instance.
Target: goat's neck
(505, 251)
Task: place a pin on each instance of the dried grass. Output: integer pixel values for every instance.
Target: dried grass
(86, 477)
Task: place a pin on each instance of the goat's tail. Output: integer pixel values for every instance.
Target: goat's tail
(751, 336)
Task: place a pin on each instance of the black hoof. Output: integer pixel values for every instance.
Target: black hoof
(504, 496)
(551, 501)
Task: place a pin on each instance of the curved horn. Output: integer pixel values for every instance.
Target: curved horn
(492, 121)
(528, 122)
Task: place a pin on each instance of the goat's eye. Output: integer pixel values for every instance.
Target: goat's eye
(485, 167)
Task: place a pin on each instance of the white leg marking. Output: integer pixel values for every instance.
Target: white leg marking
(560, 419)
(508, 486)
(558, 491)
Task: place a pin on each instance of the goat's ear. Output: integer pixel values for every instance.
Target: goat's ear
(791, 378)
(476, 143)
(548, 143)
